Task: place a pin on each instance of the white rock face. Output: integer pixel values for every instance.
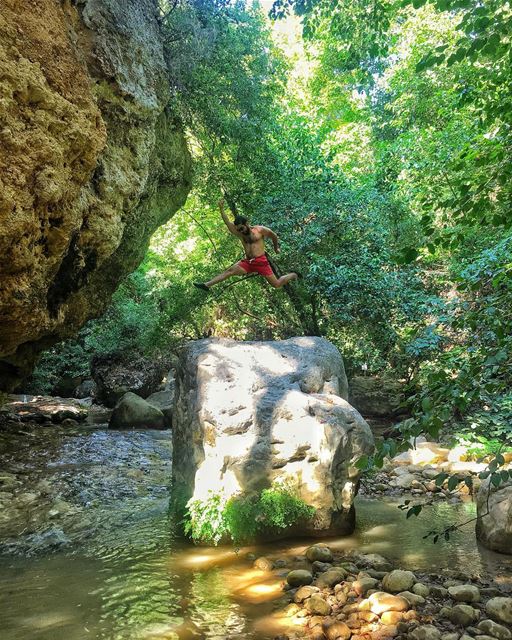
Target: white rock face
(248, 414)
(494, 529)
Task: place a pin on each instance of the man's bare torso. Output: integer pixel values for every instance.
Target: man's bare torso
(254, 243)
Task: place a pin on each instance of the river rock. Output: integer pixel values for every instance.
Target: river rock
(92, 158)
(319, 553)
(376, 561)
(249, 415)
(133, 412)
(421, 589)
(376, 396)
(320, 567)
(465, 593)
(362, 585)
(164, 401)
(500, 609)
(299, 577)
(381, 601)
(98, 414)
(425, 632)
(491, 628)
(462, 614)
(263, 564)
(494, 529)
(338, 631)
(43, 408)
(331, 577)
(405, 481)
(412, 598)
(318, 606)
(398, 580)
(438, 591)
(304, 593)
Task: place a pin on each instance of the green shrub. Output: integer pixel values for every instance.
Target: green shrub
(241, 518)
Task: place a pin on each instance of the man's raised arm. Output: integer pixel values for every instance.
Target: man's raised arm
(227, 221)
(268, 233)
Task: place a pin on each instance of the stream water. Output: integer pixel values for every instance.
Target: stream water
(96, 558)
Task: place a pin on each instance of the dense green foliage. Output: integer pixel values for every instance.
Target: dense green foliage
(242, 518)
(374, 138)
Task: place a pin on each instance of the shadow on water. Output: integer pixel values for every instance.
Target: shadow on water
(127, 578)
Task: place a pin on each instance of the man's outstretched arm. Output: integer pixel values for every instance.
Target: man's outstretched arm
(227, 221)
(268, 233)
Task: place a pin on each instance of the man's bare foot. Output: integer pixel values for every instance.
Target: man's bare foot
(202, 286)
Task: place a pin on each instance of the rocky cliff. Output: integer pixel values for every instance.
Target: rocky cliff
(92, 161)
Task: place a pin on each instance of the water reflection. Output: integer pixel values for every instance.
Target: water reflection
(131, 580)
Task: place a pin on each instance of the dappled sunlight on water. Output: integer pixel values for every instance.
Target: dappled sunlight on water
(132, 580)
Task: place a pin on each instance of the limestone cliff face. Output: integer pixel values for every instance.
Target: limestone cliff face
(92, 161)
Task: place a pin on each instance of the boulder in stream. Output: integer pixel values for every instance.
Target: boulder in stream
(133, 412)
(249, 415)
(494, 511)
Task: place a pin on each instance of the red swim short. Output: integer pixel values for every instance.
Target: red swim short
(257, 265)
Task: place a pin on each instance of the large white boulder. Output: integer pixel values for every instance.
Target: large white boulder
(248, 414)
(494, 511)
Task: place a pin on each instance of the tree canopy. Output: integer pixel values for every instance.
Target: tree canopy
(374, 138)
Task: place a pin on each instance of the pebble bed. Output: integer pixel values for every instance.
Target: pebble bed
(362, 597)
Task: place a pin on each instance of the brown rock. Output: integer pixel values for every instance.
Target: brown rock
(391, 617)
(304, 592)
(338, 631)
(91, 162)
(381, 601)
(317, 605)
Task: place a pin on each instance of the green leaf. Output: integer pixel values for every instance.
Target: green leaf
(414, 511)
(440, 478)
(496, 479)
(453, 483)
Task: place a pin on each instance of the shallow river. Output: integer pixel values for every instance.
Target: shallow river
(111, 569)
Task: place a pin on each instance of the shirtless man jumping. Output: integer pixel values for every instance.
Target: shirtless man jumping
(253, 241)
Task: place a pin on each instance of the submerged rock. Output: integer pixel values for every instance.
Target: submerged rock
(250, 414)
(92, 159)
(464, 593)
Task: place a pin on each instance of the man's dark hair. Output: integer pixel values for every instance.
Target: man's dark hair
(239, 219)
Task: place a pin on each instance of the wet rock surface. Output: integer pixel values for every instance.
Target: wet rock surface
(60, 487)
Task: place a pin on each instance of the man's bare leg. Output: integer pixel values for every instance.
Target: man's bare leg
(277, 283)
(235, 270)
